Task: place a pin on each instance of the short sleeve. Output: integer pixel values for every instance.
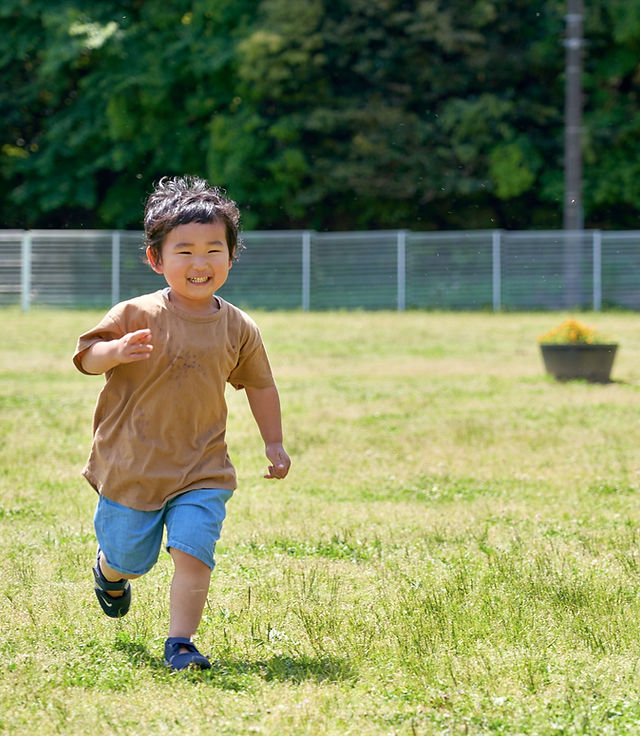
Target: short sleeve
(253, 368)
(107, 329)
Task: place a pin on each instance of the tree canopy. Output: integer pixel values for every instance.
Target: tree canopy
(348, 114)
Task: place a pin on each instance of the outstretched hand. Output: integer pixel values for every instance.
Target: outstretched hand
(104, 355)
(134, 346)
(280, 461)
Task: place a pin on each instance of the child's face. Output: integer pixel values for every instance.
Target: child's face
(195, 263)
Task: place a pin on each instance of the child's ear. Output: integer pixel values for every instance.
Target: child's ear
(154, 262)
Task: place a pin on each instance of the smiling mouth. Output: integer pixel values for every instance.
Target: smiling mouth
(198, 279)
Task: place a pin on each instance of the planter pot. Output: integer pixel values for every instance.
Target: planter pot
(589, 362)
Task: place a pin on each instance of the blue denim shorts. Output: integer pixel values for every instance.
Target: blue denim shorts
(131, 539)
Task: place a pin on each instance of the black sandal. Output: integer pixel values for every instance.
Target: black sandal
(181, 661)
(112, 606)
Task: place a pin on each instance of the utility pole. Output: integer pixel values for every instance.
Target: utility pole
(573, 220)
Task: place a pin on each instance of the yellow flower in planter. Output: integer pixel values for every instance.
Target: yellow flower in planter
(573, 350)
(570, 332)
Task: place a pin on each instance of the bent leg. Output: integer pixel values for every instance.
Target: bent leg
(113, 576)
(129, 541)
(114, 596)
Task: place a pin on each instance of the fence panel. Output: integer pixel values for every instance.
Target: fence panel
(449, 270)
(621, 270)
(268, 274)
(134, 276)
(354, 270)
(536, 270)
(10, 266)
(70, 268)
(363, 270)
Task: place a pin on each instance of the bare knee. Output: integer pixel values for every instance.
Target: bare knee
(111, 574)
(186, 562)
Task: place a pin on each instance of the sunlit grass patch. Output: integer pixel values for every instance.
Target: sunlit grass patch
(456, 549)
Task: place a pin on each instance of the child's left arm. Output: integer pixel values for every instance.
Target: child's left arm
(265, 407)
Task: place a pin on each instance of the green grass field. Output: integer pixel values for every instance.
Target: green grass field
(455, 551)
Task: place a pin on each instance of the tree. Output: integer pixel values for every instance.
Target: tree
(113, 95)
(612, 123)
(345, 114)
(384, 113)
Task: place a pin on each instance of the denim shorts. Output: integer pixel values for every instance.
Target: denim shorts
(131, 540)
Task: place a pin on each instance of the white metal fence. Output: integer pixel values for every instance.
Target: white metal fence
(488, 269)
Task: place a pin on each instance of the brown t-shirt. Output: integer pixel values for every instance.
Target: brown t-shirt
(159, 424)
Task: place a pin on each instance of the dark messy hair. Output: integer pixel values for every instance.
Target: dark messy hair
(181, 200)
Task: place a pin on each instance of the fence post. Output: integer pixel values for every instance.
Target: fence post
(401, 258)
(115, 267)
(25, 271)
(306, 271)
(597, 270)
(496, 271)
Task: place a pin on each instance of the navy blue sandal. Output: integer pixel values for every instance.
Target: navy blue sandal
(181, 661)
(112, 606)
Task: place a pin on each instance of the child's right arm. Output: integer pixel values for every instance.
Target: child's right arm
(107, 354)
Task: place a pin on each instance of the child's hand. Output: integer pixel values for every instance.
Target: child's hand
(279, 459)
(133, 346)
(107, 354)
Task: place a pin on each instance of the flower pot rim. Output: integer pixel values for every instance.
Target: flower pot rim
(579, 344)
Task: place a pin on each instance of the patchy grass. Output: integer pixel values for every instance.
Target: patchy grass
(455, 550)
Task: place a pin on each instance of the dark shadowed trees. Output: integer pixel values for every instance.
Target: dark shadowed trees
(343, 114)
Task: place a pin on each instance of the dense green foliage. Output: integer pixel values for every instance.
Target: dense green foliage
(344, 114)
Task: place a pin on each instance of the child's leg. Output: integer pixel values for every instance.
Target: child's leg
(189, 589)
(193, 520)
(129, 542)
(113, 576)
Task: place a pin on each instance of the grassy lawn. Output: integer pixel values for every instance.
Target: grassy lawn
(455, 551)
